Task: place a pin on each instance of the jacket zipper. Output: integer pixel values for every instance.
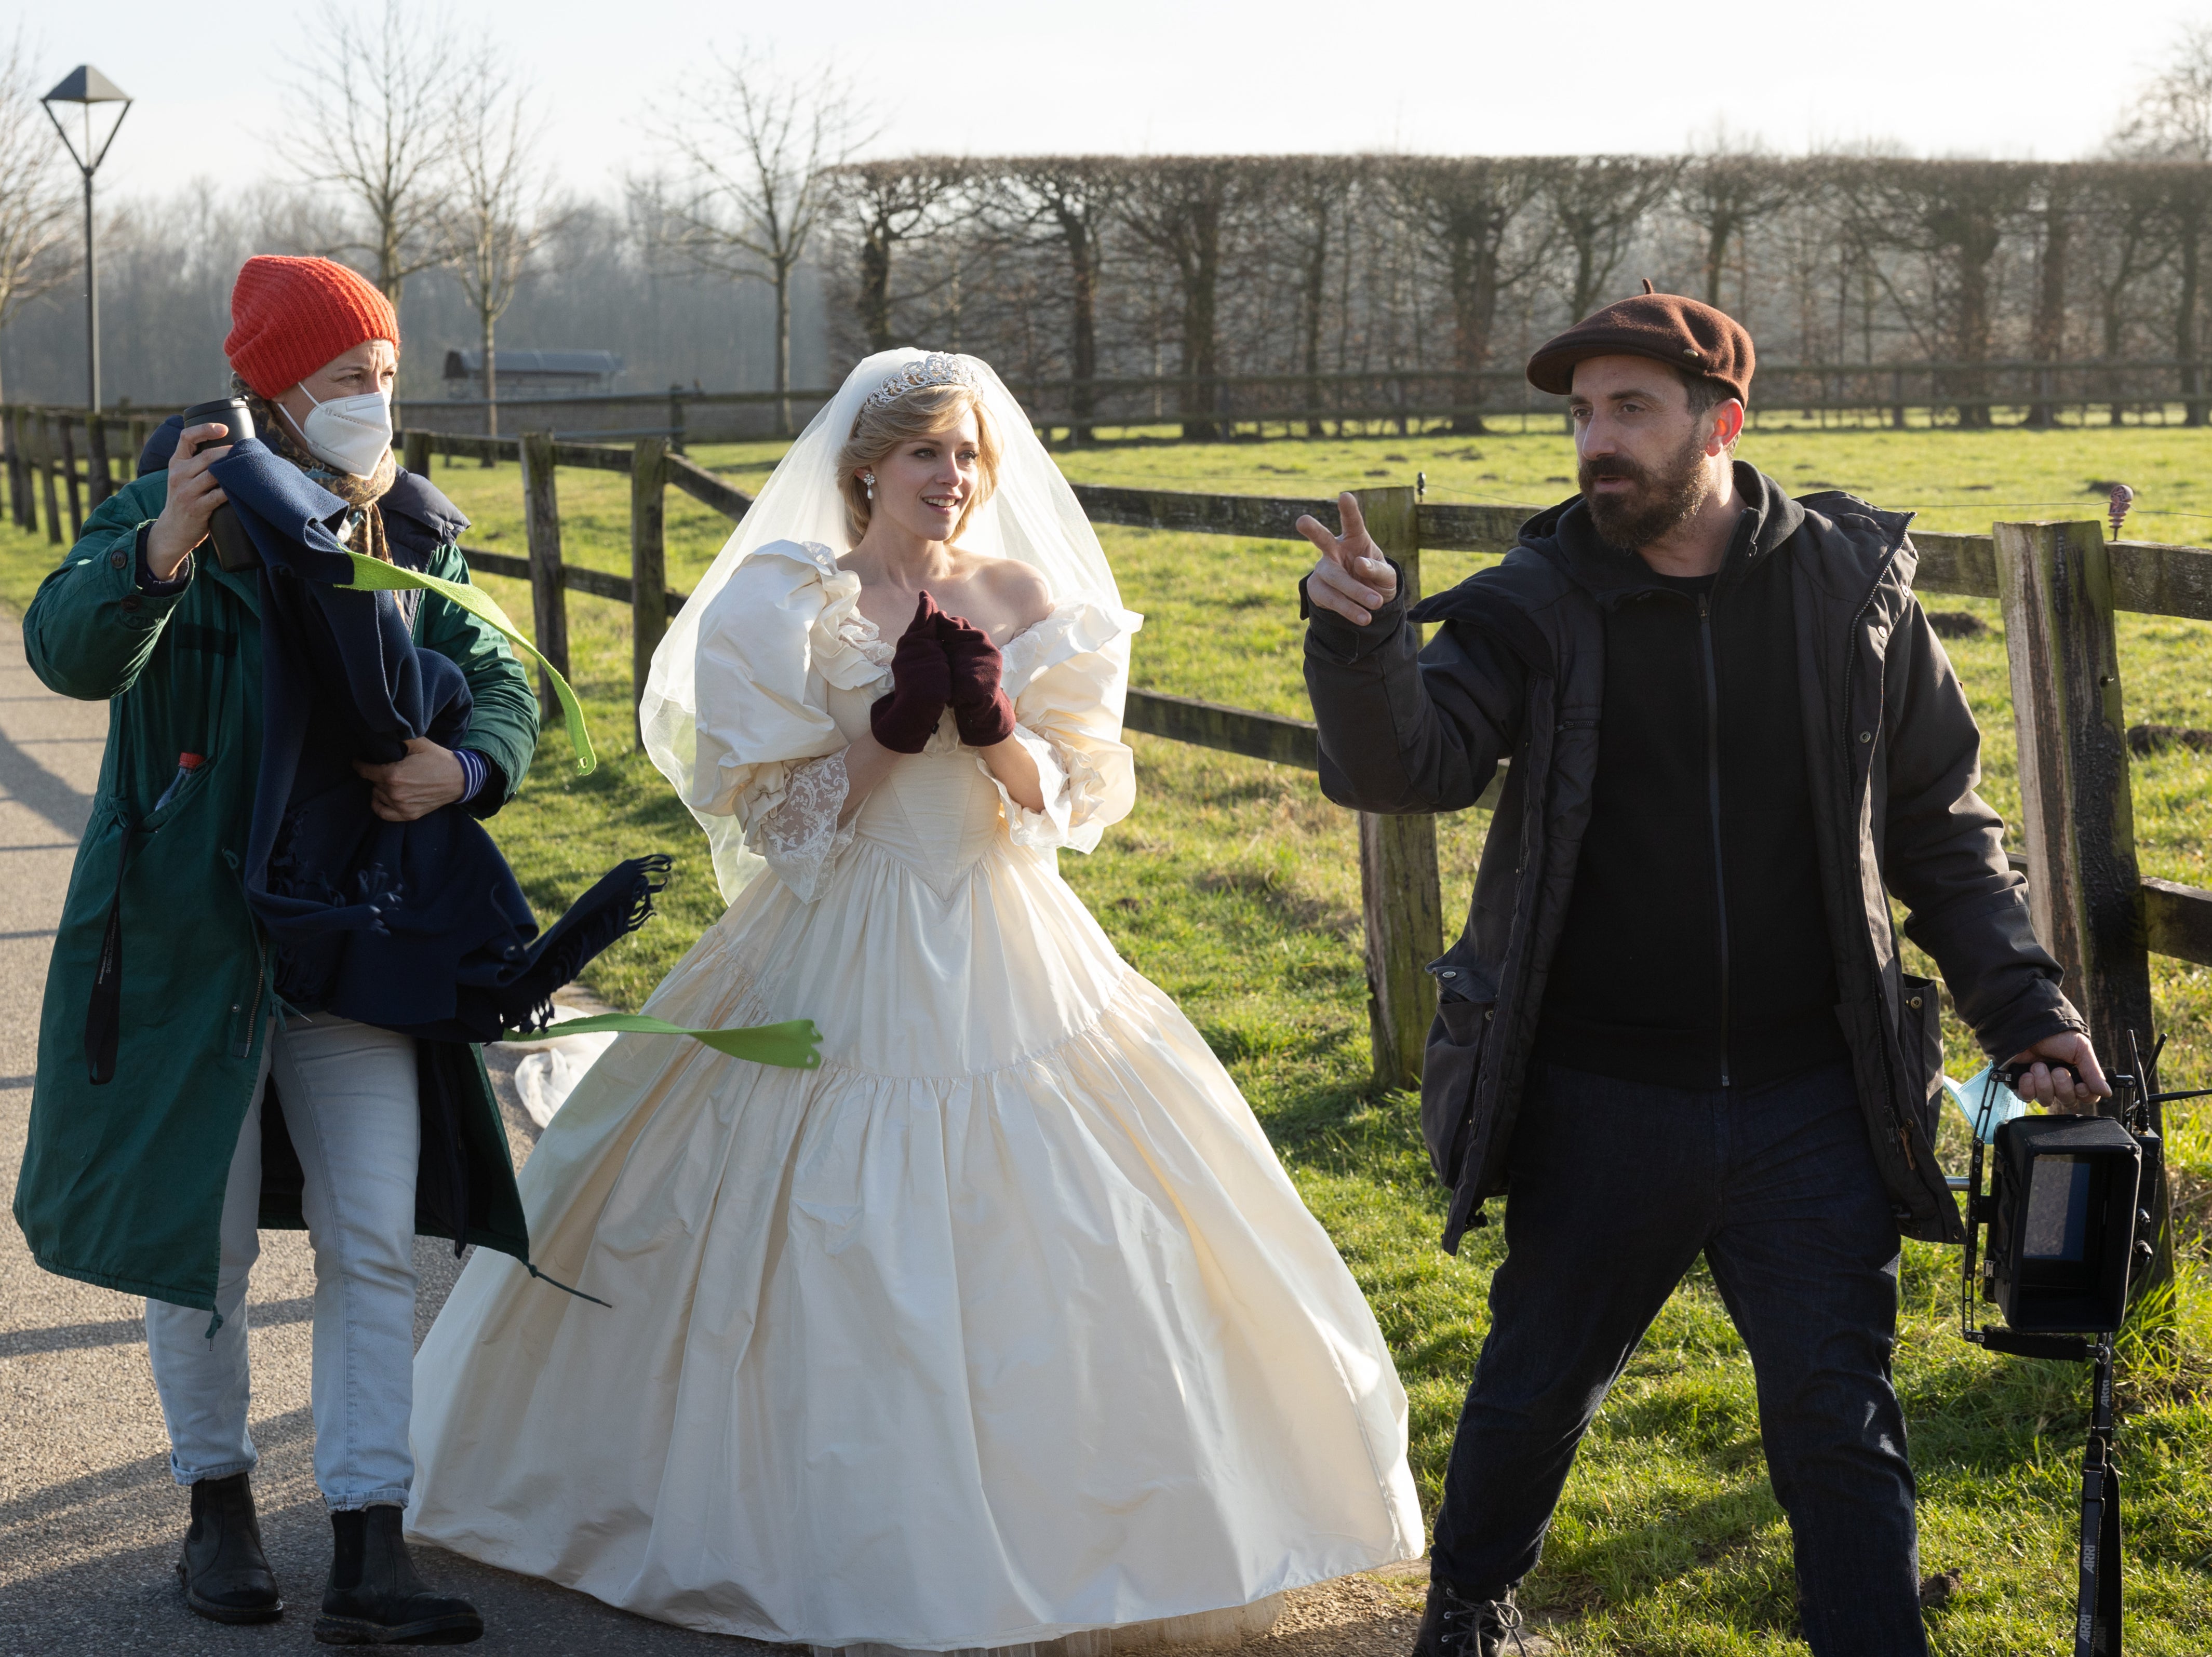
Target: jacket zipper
(1713, 807)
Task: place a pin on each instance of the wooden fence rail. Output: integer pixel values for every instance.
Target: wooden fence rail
(2124, 919)
(2061, 586)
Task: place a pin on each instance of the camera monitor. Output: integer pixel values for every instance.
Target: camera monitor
(2062, 1237)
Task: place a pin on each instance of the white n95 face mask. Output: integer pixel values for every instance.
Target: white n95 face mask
(350, 433)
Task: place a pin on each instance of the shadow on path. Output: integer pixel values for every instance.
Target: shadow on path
(31, 786)
(116, 1332)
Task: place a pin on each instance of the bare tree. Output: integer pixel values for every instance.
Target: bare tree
(1074, 199)
(1314, 196)
(2055, 215)
(1725, 192)
(763, 156)
(2120, 205)
(35, 198)
(501, 211)
(1468, 206)
(1955, 215)
(2173, 124)
(1598, 205)
(888, 203)
(2186, 211)
(378, 98)
(1176, 207)
(2171, 118)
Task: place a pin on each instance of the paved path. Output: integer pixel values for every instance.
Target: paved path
(89, 1519)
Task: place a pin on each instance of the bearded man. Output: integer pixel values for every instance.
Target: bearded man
(1677, 1023)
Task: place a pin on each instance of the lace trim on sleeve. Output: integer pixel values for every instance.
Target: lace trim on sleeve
(800, 838)
(1058, 770)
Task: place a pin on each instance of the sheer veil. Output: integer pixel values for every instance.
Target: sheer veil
(1032, 516)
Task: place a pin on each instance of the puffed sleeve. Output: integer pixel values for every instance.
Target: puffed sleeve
(1068, 678)
(783, 631)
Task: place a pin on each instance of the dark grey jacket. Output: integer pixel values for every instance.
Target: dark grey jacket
(1892, 756)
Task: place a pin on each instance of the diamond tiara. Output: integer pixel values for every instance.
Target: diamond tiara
(937, 368)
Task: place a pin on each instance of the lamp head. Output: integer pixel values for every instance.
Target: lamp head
(86, 85)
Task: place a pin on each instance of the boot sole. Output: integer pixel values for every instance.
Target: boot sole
(457, 1629)
(237, 1616)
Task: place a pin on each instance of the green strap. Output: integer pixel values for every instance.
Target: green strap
(796, 1045)
(375, 574)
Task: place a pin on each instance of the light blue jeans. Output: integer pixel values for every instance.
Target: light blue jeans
(348, 1092)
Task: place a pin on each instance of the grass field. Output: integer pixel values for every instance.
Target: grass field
(1234, 886)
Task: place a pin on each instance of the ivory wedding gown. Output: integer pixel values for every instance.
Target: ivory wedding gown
(1004, 1323)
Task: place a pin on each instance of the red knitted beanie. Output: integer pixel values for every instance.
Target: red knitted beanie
(288, 317)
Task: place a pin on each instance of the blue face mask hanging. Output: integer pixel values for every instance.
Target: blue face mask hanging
(2003, 1104)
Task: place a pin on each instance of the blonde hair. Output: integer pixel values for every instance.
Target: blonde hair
(920, 413)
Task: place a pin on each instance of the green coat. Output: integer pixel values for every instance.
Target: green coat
(122, 1183)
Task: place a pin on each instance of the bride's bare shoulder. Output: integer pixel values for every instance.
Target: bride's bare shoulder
(1016, 586)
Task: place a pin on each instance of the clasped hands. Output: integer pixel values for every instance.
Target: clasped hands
(942, 661)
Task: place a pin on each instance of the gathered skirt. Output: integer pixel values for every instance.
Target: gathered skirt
(1004, 1325)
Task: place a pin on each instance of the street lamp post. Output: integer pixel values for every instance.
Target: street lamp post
(86, 85)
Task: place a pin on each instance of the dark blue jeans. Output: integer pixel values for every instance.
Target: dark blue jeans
(1615, 1189)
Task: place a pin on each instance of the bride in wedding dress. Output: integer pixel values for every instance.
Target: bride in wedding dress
(1005, 1324)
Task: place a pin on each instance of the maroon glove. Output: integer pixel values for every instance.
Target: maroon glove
(981, 711)
(921, 683)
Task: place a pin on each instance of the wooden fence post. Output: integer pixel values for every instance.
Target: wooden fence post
(415, 452)
(19, 475)
(549, 606)
(2055, 581)
(1400, 899)
(69, 477)
(98, 485)
(648, 564)
(46, 480)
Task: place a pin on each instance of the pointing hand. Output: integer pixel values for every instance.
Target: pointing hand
(1353, 579)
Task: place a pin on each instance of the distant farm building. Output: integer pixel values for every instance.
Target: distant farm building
(534, 374)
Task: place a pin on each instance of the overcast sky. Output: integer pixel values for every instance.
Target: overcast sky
(2018, 80)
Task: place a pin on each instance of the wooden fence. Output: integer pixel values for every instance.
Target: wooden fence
(2061, 585)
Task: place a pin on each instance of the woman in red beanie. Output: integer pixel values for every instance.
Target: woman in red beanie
(155, 1183)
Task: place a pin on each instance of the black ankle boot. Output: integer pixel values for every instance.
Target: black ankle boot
(226, 1574)
(1452, 1626)
(375, 1597)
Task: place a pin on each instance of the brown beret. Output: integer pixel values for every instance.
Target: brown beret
(1666, 327)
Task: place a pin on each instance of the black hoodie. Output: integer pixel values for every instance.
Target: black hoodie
(1891, 755)
(1695, 951)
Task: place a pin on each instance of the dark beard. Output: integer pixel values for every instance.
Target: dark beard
(1661, 499)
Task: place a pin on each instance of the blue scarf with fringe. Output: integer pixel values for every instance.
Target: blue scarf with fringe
(417, 927)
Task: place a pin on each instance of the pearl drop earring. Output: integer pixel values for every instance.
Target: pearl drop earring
(868, 480)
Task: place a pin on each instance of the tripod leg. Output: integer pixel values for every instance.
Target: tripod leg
(2108, 1570)
(2089, 1636)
